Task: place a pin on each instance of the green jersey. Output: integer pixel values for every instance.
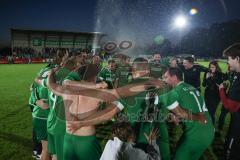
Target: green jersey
(73, 76)
(38, 112)
(189, 98)
(47, 68)
(39, 92)
(142, 109)
(56, 117)
(108, 76)
(165, 61)
(157, 69)
(123, 74)
(142, 112)
(43, 73)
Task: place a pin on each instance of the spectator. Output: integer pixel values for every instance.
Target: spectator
(232, 103)
(211, 80)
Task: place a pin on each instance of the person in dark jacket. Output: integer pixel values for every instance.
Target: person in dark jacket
(232, 103)
(192, 72)
(211, 81)
(230, 76)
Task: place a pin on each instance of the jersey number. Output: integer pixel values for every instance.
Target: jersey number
(201, 108)
(53, 98)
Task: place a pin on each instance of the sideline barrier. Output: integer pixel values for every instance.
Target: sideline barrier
(24, 60)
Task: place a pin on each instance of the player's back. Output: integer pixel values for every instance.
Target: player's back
(82, 107)
(79, 107)
(191, 100)
(81, 104)
(123, 73)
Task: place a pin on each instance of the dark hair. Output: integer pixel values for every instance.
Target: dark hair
(140, 60)
(70, 63)
(121, 56)
(111, 61)
(189, 59)
(173, 58)
(232, 51)
(215, 63)
(157, 53)
(140, 64)
(175, 72)
(58, 58)
(122, 130)
(61, 52)
(88, 72)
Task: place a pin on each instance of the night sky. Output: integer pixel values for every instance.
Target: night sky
(122, 18)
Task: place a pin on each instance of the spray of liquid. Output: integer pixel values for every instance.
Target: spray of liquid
(122, 21)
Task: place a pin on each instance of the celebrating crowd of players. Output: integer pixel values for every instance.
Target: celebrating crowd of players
(73, 94)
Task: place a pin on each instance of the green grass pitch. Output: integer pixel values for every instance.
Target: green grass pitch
(15, 115)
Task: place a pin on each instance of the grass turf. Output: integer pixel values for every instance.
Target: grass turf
(15, 115)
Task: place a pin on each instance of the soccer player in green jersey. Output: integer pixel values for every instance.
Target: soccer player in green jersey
(39, 101)
(141, 110)
(158, 66)
(56, 118)
(123, 70)
(39, 105)
(81, 143)
(108, 74)
(139, 73)
(196, 136)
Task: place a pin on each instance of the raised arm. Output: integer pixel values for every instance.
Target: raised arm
(63, 90)
(133, 89)
(86, 85)
(105, 95)
(100, 116)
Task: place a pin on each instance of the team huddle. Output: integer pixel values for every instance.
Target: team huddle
(72, 95)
